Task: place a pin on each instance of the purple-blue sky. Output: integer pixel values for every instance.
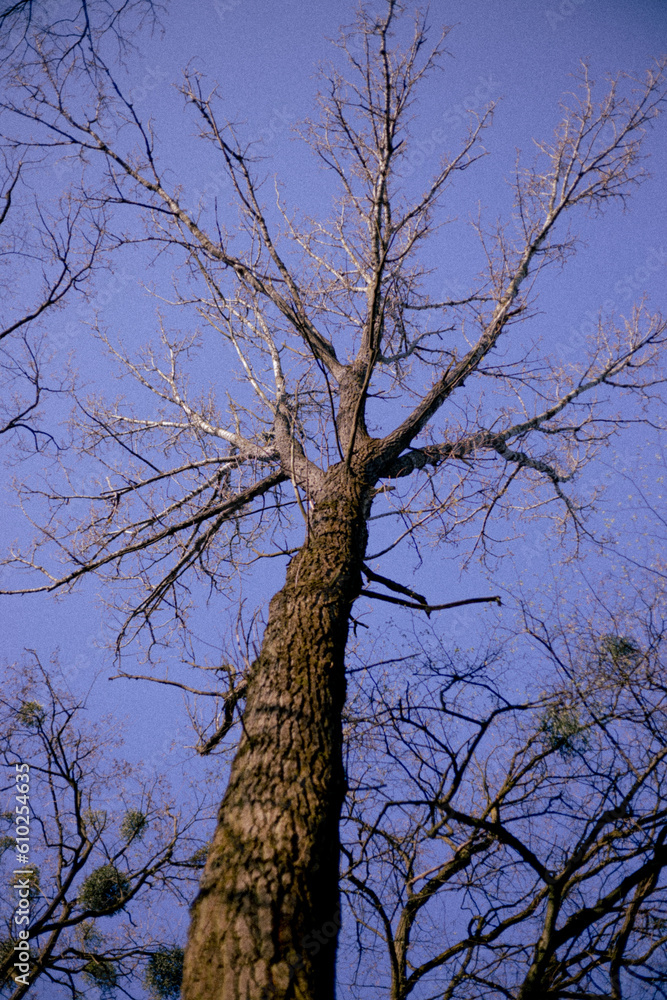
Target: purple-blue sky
(263, 55)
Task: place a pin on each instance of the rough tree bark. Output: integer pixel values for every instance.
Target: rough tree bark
(265, 923)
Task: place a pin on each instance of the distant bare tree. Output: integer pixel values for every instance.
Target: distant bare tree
(72, 26)
(109, 852)
(45, 258)
(49, 245)
(330, 320)
(500, 848)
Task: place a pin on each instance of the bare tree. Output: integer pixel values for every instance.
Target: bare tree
(513, 849)
(73, 26)
(106, 854)
(328, 320)
(49, 246)
(48, 257)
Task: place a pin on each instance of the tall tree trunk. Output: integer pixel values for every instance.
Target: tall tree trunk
(265, 922)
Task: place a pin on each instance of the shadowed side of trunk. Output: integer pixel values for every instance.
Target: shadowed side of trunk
(265, 923)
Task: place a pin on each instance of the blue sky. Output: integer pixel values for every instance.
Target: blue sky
(263, 56)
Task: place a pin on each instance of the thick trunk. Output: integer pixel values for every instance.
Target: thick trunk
(265, 923)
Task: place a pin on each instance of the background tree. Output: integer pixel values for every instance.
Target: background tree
(512, 848)
(74, 26)
(63, 258)
(330, 319)
(112, 857)
(48, 250)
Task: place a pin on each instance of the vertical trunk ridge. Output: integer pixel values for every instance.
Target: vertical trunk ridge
(266, 919)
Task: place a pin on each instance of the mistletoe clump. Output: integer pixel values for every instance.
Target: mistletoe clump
(102, 973)
(104, 889)
(165, 973)
(134, 825)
